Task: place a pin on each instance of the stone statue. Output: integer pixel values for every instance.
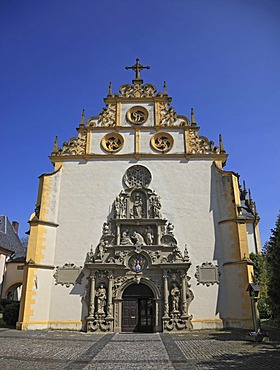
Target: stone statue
(138, 238)
(186, 257)
(175, 296)
(125, 240)
(101, 299)
(155, 206)
(149, 236)
(102, 249)
(90, 256)
(177, 255)
(120, 207)
(138, 206)
(117, 207)
(105, 228)
(170, 228)
(189, 299)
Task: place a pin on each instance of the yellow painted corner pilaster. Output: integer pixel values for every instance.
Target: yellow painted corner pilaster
(137, 142)
(44, 210)
(186, 141)
(118, 114)
(236, 194)
(35, 255)
(28, 297)
(88, 142)
(157, 114)
(36, 243)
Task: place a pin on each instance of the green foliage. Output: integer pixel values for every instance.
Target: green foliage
(3, 303)
(10, 313)
(272, 251)
(260, 278)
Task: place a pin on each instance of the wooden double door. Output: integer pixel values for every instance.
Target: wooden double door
(138, 311)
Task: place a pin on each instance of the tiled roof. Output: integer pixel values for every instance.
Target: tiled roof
(246, 211)
(9, 239)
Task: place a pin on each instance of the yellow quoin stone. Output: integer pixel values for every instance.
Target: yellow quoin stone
(139, 227)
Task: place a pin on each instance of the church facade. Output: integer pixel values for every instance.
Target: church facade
(139, 228)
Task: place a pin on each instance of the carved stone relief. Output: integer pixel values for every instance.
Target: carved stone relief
(107, 117)
(168, 116)
(67, 274)
(137, 176)
(207, 274)
(137, 90)
(138, 245)
(74, 146)
(137, 115)
(162, 142)
(112, 142)
(200, 144)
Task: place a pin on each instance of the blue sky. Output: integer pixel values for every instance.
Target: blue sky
(221, 57)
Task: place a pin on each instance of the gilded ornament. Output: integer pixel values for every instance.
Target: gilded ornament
(137, 115)
(137, 90)
(107, 117)
(168, 116)
(162, 142)
(112, 142)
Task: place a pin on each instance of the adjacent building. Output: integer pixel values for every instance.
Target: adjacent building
(12, 259)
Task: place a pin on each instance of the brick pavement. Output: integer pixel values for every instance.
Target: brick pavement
(42, 350)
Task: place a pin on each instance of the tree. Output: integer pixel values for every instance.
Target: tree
(261, 278)
(272, 251)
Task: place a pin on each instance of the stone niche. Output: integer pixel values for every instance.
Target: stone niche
(138, 246)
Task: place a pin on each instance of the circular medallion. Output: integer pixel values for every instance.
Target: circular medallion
(137, 115)
(112, 142)
(137, 176)
(162, 142)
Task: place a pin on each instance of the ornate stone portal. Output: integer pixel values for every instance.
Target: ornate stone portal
(138, 246)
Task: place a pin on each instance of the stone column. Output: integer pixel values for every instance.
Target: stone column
(92, 294)
(118, 234)
(184, 295)
(110, 294)
(159, 233)
(166, 295)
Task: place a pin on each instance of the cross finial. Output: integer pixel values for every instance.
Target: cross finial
(137, 67)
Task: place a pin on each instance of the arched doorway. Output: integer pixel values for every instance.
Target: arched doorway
(138, 309)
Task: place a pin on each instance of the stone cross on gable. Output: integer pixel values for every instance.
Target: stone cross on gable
(137, 67)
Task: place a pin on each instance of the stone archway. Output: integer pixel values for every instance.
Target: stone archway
(138, 309)
(14, 292)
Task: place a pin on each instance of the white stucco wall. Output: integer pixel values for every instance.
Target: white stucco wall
(97, 136)
(87, 192)
(251, 238)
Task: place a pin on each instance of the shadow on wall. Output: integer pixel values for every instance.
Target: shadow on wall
(81, 288)
(221, 306)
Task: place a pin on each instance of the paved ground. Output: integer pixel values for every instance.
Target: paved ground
(53, 350)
